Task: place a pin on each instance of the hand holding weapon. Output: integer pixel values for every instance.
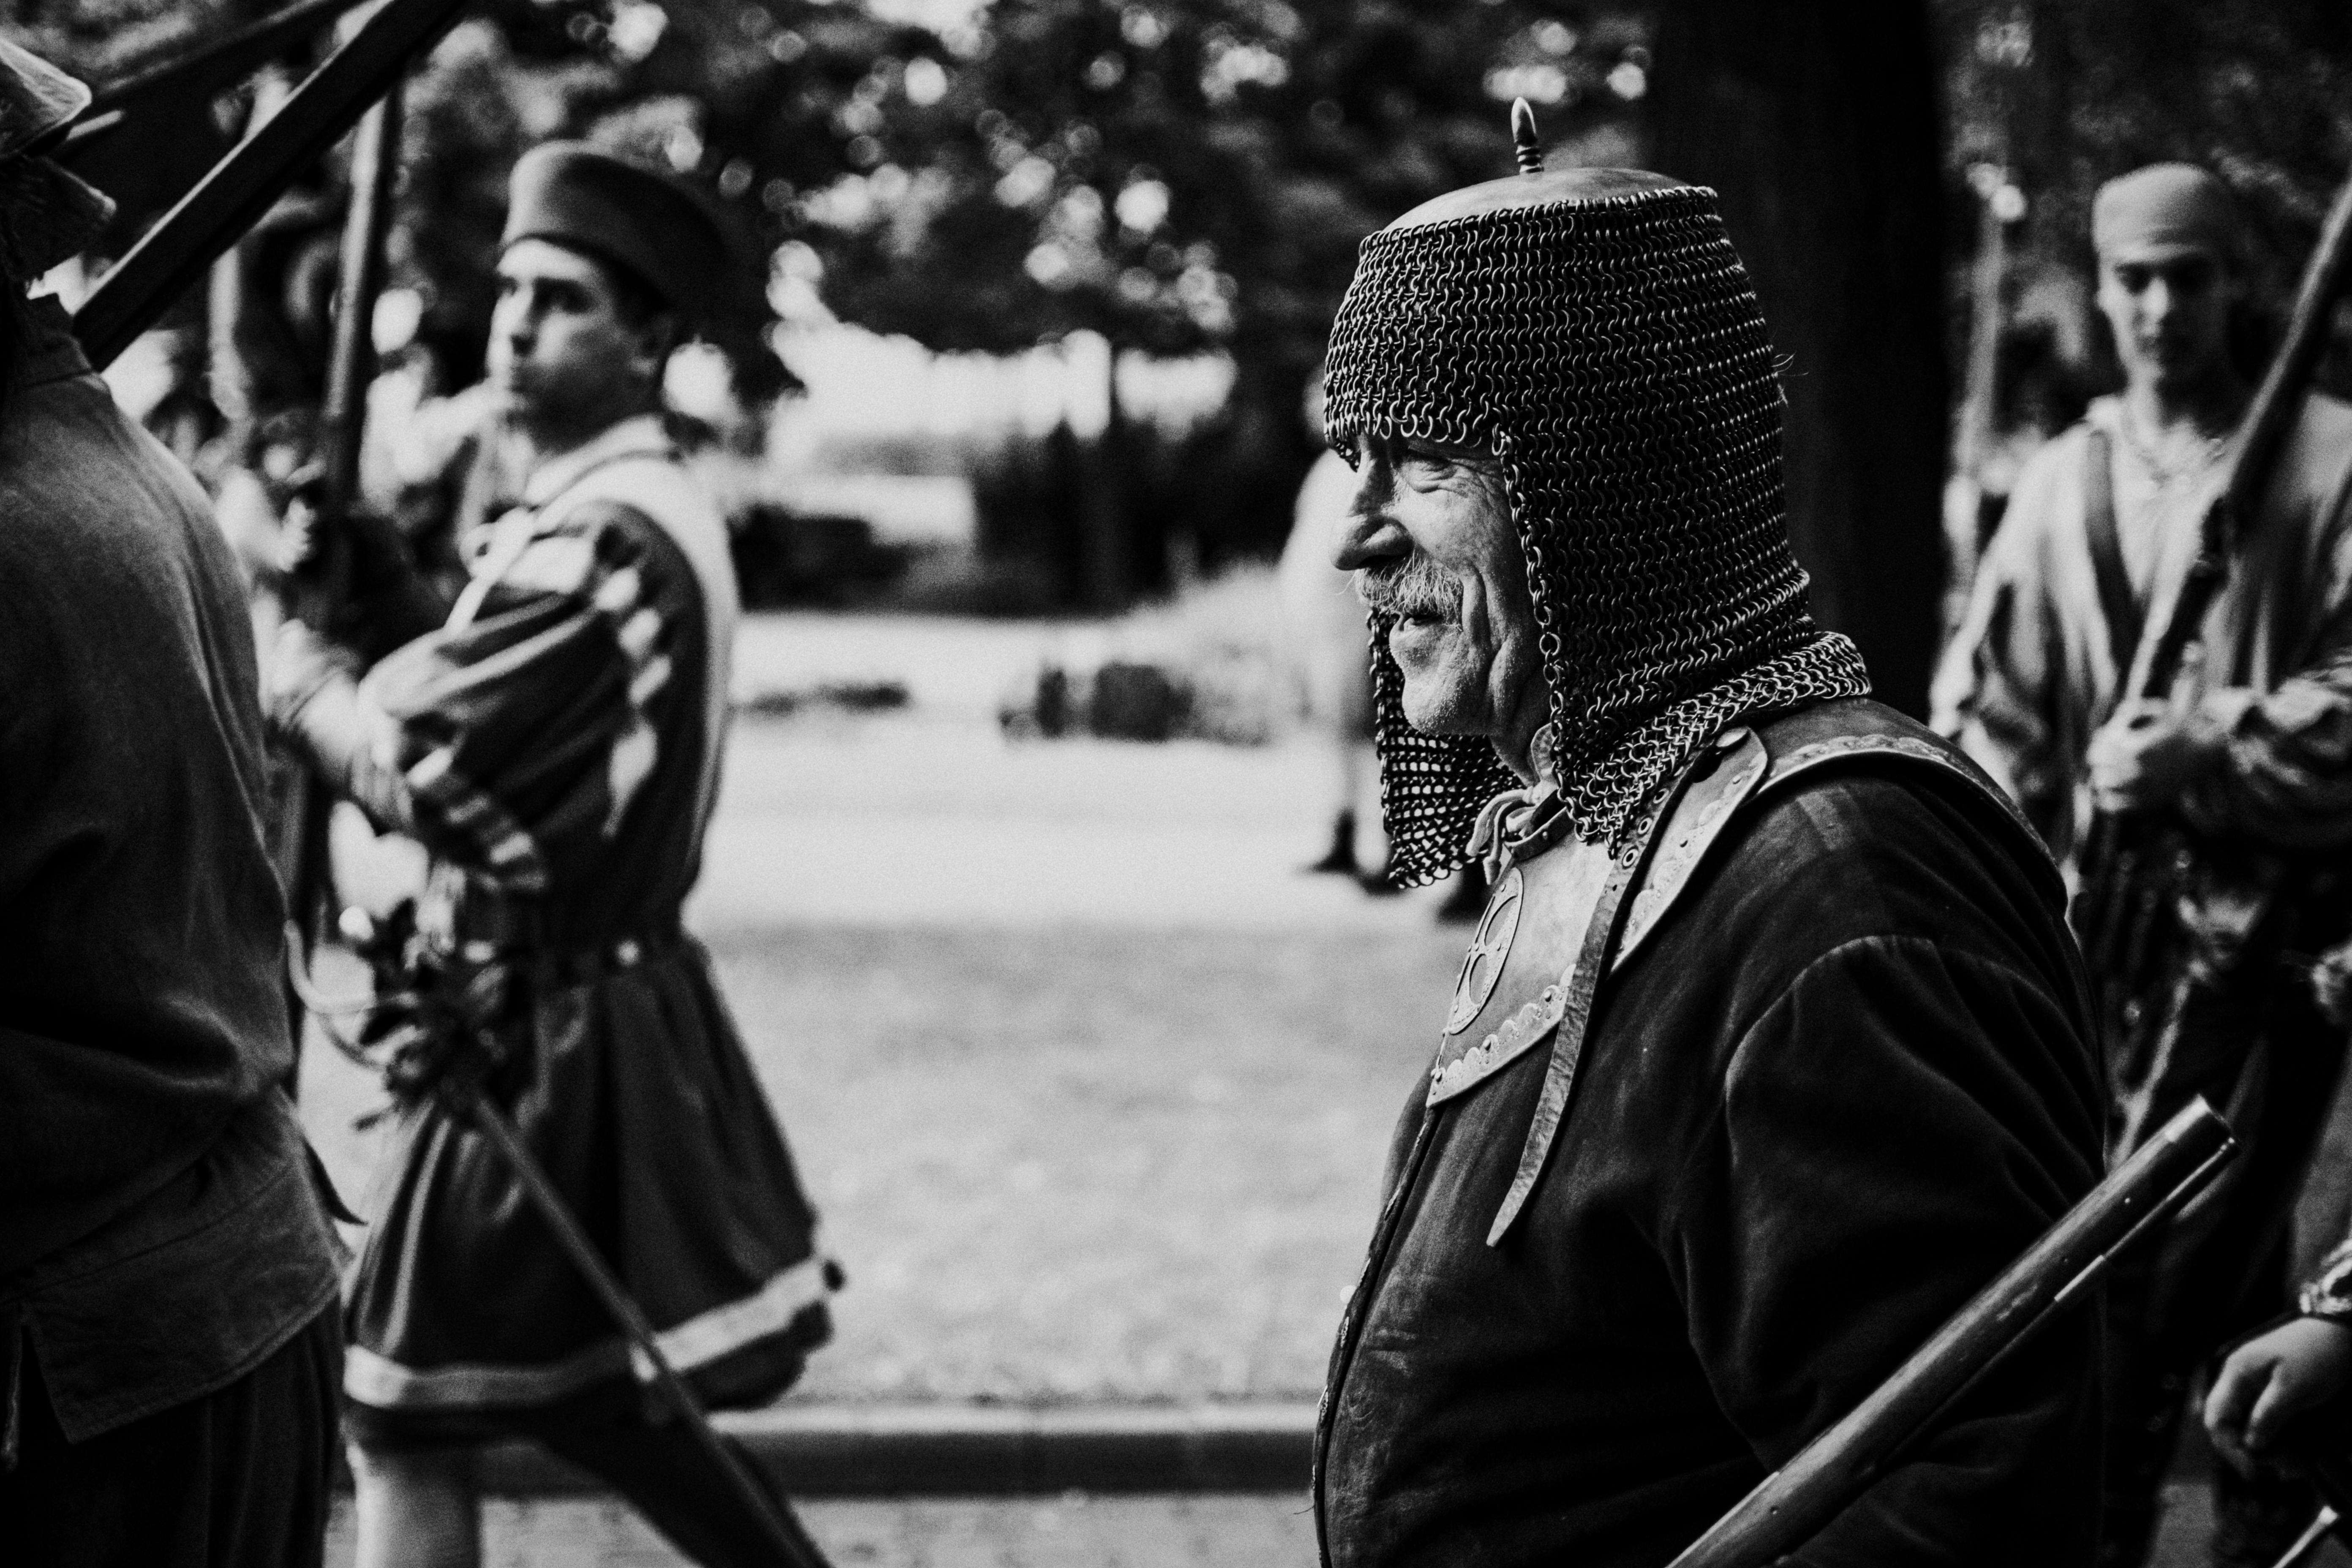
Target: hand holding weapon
(2114, 910)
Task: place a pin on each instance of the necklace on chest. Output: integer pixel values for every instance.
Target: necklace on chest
(2173, 458)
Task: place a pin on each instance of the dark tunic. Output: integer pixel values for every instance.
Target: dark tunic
(553, 746)
(1843, 1084)
(160, 1236)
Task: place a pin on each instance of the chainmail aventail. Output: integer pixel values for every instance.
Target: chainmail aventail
(1611, 352)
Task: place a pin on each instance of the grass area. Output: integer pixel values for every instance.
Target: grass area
(1073, 1164)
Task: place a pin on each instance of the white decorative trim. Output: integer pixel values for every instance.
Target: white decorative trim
(384, 1383)
(722, 1331)
(378, 1381)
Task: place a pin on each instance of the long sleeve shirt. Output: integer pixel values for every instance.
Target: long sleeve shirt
(159, 1230)
(2029, 676)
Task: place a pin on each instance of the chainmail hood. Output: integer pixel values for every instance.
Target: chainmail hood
(1595, 329)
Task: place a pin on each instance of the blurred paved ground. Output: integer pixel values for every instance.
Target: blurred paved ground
(1046, 1532)
(1059, 1532)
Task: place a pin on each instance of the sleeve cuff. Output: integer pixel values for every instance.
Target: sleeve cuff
(2330, 1295)
(2221, 713)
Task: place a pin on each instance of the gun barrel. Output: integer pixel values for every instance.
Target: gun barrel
(1793, 1503)
(240, 187)
(2270, 416)
(376, 165)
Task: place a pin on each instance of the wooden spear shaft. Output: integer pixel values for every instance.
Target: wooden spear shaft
(792, 1543)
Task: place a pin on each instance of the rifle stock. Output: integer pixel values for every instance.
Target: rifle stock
(1793, 1504)
(208, 219)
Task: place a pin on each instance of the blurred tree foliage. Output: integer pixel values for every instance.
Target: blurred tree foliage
(1182, 175)
(1188, 176)
(741, 98)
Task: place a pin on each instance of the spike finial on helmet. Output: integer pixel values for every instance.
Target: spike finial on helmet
(1525, 147)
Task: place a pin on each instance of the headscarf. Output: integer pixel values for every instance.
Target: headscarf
(2165, 207)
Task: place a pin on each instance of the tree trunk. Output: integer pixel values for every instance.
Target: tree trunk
(1107, 581)
(1817, 121)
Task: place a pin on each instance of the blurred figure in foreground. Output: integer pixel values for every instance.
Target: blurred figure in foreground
(2251, 755)
(555, 744)
(169, 1353)
(1771, 1047)
(1324, 631)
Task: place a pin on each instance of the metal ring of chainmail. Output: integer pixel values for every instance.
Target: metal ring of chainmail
(1611, 352)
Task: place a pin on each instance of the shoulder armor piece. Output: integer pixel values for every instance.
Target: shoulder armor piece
(1757, 762)
(1715, 789)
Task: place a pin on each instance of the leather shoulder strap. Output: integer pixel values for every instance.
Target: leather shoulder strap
(1671, 841)
(1754, 762)
(2118, 605)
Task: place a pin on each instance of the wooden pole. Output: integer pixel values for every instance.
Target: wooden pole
(791, 1543)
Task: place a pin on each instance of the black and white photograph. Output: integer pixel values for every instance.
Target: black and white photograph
(1175, 784)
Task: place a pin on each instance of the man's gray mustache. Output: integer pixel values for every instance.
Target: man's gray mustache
(1415, 586)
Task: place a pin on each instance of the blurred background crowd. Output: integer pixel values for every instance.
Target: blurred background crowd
(1032, 290)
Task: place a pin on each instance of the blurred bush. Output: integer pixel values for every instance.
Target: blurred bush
(1205, 665)
(786, 559)
(1175, 505)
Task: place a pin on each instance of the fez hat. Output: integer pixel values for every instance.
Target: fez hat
(45, 214)
(572, 194)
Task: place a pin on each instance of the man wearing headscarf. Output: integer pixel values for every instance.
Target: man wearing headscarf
(555, 745)
(1771, 1047)
(2251, 755)
(169, 1352)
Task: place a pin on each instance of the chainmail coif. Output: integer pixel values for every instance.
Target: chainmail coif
(1610, 352)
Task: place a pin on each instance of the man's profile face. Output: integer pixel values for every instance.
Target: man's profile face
(559, 346)
(2169, 310)
(1429, 537)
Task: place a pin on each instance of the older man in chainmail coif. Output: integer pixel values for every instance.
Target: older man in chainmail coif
(1771, 1047)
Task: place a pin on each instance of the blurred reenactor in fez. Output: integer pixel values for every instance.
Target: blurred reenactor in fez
(1773, 1046)
(169, 1354)
(555, 745)
(2253, 754)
